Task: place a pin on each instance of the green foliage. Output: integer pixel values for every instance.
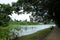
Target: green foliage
(3, 32)
(5, 10)
(54, 10)
(38, 6)
(29, 23)
(30, 6)
(23, 23)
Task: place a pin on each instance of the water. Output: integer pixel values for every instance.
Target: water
(29, 29)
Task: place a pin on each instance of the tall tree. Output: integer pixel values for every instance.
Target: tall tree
(51, 6)
(53, 10)
(33, 6)
(5, 10)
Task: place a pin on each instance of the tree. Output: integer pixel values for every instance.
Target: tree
(33, 6)
(5, 10)
(29, 6)
(54, 10)
(40, 7)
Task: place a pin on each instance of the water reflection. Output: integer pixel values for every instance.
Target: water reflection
(28, 29)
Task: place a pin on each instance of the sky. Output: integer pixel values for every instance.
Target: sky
(7, 1)
(16, 16)
(20, 17)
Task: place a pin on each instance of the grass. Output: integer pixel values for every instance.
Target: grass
(24, 23)
(5, 30)
(40, 35)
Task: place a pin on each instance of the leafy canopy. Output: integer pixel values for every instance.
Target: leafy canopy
(5, 10)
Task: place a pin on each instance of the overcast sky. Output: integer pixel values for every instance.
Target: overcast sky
(7, 1)
(20, 17)
(15, 16)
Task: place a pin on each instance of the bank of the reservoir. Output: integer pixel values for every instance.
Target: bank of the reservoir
(39, 35)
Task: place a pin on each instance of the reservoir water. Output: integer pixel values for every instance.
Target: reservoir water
(29, 29)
